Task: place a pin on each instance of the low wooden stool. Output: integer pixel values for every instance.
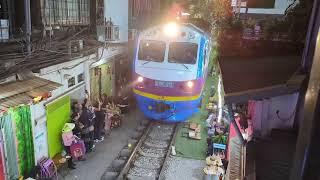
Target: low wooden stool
(56, 159)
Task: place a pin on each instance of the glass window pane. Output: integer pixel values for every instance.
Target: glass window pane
(152, 50)
(183, 53)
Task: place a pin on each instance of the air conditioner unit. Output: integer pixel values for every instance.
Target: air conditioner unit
(132, 34)
(112, 33)
(75, 48)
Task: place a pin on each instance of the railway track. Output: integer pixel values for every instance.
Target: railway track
(146, 159)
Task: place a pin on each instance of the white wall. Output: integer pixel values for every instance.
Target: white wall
(117, 10)
(57, 73)
(279, 8)
(265, 118)
(105, 55)
(38, 117)
(60, 73)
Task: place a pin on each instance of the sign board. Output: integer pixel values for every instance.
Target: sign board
(219, 146)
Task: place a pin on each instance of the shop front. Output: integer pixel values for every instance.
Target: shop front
(17, 125)
(102, 80)
(58, 113)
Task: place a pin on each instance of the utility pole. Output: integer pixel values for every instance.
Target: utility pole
(28, 24)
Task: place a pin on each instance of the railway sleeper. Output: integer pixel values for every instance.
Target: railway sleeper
(152, 152)
(118, 164)
(144, 122)
(159, 136)
(109, 175)
(156, 143)
(164, 127)
(137, 172)
(140, 128)
(131, 177)
(148, 162)
(136, 135)
(125, 152)
(133, 142)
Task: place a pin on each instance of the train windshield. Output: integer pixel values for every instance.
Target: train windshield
(152, 50)
(183, 53)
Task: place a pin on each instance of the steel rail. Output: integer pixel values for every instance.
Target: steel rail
(175, 132)
(126, 168)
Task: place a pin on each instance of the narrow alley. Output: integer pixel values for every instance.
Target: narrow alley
(159, 89)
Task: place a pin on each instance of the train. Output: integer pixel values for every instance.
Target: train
(170, 68)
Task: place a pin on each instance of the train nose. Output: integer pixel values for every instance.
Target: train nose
(162, 107)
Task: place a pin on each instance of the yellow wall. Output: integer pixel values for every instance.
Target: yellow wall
(107, 80)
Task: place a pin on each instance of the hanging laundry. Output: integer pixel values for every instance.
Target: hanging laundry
(8, 141)
(24, 136)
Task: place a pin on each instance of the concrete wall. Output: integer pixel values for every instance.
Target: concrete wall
(279, 8)
(61, 73)
(265, 117)
(117, 10)
(38, 117)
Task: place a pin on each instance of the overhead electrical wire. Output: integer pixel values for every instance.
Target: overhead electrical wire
(38, 55)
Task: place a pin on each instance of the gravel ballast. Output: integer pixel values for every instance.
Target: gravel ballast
(187, 169)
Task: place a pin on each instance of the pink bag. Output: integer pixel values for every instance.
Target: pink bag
(48, 168)
(77, 149)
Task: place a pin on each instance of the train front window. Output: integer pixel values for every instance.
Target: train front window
(152, 50)
(183, 53)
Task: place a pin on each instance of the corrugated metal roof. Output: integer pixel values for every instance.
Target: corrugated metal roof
(21, 92)
(242, 74)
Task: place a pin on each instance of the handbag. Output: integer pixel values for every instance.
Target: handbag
(88, 129)
(91, 128)
(77, 149)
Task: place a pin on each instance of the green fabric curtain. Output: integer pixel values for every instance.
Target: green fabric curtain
(10, 151)
(24, 135)
(58, 113)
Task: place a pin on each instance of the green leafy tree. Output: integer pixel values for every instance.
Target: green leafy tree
(297, 18)
(217, 13)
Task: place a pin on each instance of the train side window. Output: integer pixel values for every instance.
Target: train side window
(205, 56)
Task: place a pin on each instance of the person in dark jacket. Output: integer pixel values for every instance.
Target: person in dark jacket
(87, 119)
(99, 121)
(78, 125)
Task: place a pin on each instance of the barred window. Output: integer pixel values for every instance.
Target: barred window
(71, 82)
(80, 78)
(66, 12)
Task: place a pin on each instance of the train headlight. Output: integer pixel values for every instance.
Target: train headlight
(190, 84)
(171, 29)
(140, 79)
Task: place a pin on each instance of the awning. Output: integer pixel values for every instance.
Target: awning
(22, 92)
